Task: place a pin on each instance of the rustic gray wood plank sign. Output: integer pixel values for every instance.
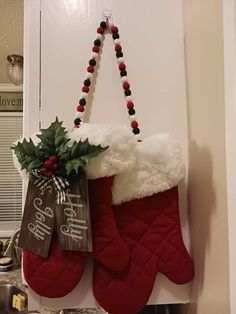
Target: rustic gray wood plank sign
(73, 218)
(38, 220)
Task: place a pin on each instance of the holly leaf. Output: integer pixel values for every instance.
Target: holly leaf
(53, 139)
(28, 154)
(74, 166)
(26, 148)
(78, 155)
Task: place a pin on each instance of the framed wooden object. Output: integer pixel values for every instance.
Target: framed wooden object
(11, 98)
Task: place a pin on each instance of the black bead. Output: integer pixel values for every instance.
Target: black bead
(97, 42)
(92, 62)
(103, 24)
(119, 54)
(115, 36)
(82, 102)
(127, 92)
(136, 130)
(123, 73)
(77, 121)
(87, 82)
(131, 112)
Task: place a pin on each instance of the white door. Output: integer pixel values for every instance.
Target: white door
(58, 45)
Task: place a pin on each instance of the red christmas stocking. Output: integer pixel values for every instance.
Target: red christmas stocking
(108, 246)
(62, 270)
(149, 223)
(58, 274)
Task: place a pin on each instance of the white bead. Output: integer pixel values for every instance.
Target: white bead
(79, 114)
(84, 95)
(124, 79)
(89, 75)
(133, 117)
(117, 41)
(120, 60)
(99, 36)
(138, 137)
(129, 98)
(94, 55)
(110, 24)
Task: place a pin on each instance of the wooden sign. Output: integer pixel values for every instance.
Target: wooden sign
(38, 220)
(73, 218)
(11, 101)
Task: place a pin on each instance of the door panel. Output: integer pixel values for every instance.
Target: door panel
(152, 39)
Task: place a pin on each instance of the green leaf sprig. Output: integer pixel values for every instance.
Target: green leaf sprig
(54, 154)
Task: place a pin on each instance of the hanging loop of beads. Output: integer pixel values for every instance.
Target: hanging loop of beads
(107, 25)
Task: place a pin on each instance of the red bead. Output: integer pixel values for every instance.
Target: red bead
(126, 85)
(80, 108)
(114, 29)
(85, 89)
(95, 49)
(134, 124)
(118, 48)
(122, 66)
(130, 105)
(90, 69)
(100, 30)
(53, 158)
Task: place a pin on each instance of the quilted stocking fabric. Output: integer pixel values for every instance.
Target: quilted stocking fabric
(57, 275)
(151, 227)
(108, 246)
(147, 215)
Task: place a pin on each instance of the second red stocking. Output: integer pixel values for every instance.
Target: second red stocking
(147, 216)
(109, 248)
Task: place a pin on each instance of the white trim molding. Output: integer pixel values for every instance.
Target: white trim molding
(31, 90)
(11, 88)
(32, 51)
(229, 19)
(11, 113)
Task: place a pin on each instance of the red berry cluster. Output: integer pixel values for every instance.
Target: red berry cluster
(50, 166)
(123, 73)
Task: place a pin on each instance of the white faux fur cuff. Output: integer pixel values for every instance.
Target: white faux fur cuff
(159, 167)
(116, 158)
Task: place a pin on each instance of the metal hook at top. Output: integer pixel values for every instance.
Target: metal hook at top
(107, 16)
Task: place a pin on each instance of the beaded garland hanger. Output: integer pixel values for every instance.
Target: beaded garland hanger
(109, 27)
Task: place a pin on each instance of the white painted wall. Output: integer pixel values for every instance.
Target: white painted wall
(153, 45)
